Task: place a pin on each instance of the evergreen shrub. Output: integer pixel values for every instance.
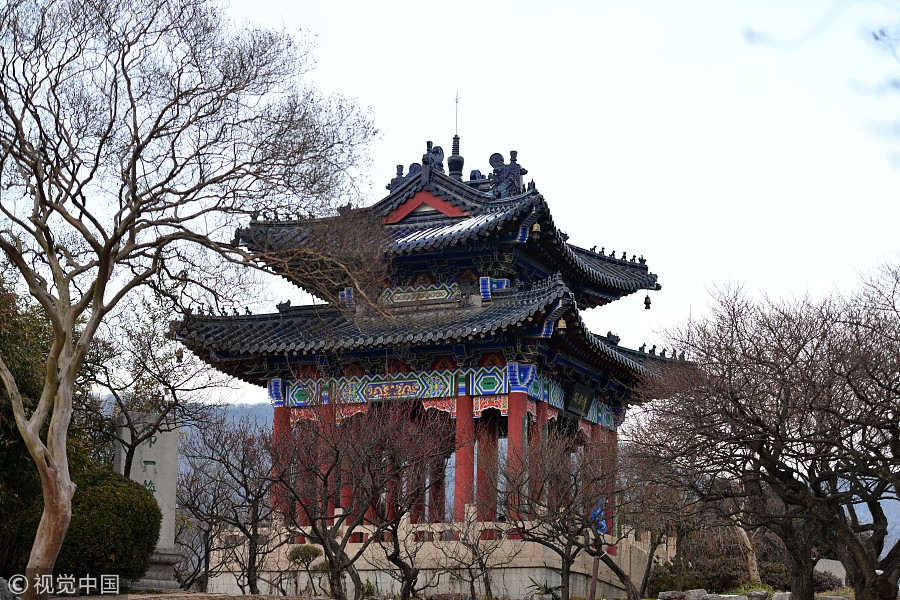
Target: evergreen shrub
(114, 528)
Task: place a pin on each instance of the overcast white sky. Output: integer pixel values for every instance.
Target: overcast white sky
(651, 127)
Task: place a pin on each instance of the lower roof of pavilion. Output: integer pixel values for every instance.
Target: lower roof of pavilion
(543, 317)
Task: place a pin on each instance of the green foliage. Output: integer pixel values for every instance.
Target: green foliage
(746, 588)
(543, 588)
(24, 342)
(368, 589)
(114, 528)
(304, 555)
(824, 581)
(715, 573)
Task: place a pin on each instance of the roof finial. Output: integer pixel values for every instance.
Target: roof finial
(456, 124)
(455, 161)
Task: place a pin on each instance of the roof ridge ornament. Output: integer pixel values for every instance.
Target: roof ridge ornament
(432, 160)
(507, 178)
(400, 179)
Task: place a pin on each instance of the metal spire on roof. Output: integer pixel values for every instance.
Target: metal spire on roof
(455, 161)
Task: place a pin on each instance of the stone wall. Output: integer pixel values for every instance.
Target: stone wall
(532, 561)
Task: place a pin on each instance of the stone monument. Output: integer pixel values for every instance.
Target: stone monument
(155, 466)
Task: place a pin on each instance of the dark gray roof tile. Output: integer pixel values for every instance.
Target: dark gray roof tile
(322, 328)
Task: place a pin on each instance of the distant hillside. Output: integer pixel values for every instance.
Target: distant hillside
(261, 412)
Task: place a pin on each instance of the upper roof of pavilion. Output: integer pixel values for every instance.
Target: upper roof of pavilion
(429, 211)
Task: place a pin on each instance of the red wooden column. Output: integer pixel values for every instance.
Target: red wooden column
(515, 449)
(436, 494)
(540, 428)
(486, 490)
(346, 487)
(330, 495)
(611, 453)
(465, 457)
(534, 442)
(518, 410)
(415, 483)
(391, 493)
(281, 423)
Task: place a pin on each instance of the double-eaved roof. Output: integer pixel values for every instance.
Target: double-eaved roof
(429, 215)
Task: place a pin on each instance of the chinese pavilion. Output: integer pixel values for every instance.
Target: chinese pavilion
(489, 291)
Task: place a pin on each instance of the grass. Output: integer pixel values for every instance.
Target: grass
(744, 588)
(847, 592)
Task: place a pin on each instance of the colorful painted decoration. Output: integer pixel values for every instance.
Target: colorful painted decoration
(489, 387)
(398, 386)
(486, 285)
(276, 392)
(447, 405)
(420, 293)
(606, 417)
(482, 403)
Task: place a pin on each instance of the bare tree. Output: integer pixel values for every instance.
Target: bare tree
(402, 545)
(418, 464)
(132, 135)
(236, 454)
(799, 400)
(203, 503)
(153, 386)
(372, 464)
(551, 501)
(473, 550)
(652, 500)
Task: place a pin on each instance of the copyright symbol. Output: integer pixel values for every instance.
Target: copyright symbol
(17, 584)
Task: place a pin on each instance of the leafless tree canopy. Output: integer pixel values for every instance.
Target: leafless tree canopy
(551, 493)
(144, 380)
(233, 460)
(792, 410)
(202, 502)
(133, 136)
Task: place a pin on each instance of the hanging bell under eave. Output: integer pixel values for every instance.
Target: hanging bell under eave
(647, 302)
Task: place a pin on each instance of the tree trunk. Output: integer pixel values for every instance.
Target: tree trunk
(655, 541)
(595, 569)
(129, 459)
(336, 584)
(749, 553)
(57, 490)
(486, 580)
(473, 593)
(204, 580)
(802, 578)
(564, 573)
(875, 587)
(251, 567)
(630, 590)
(408, 574)
(355, 578)
(886, 586)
